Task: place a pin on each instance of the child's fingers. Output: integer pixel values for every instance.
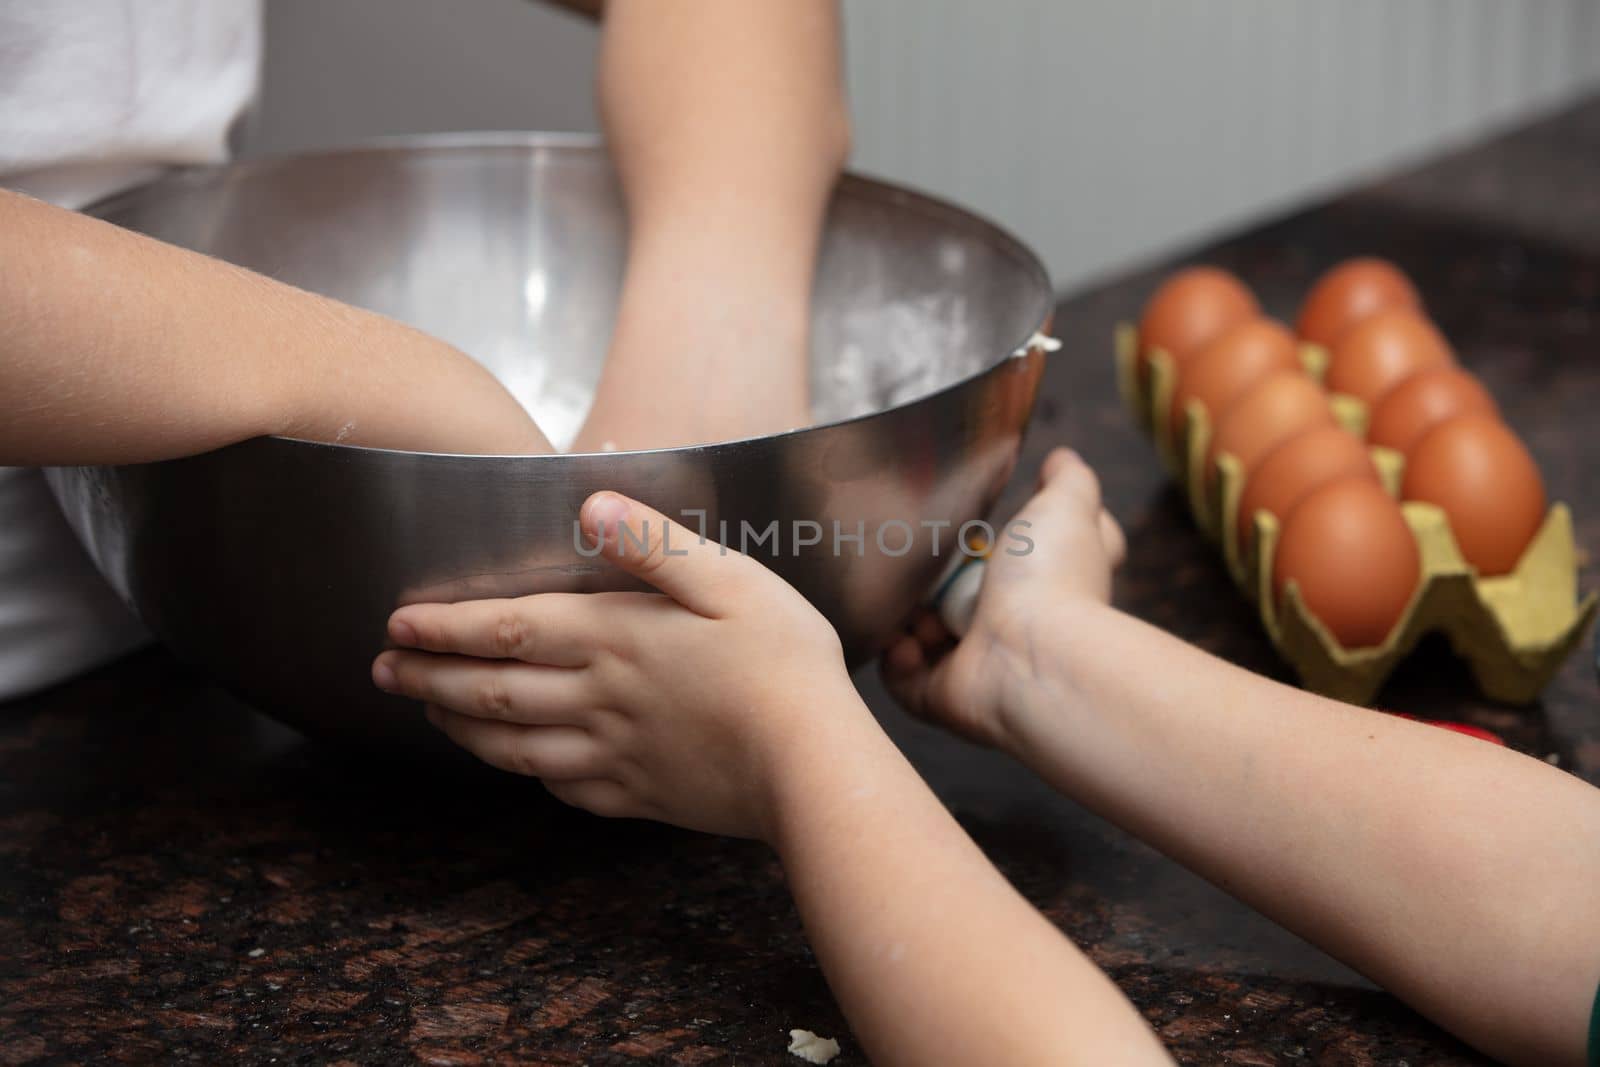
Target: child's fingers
(904, 663)
(903, 657)
(1112, 539)
(554, 753)
(1064, 469)
(698, 573)
(905, 672)
(929, 629)
(1054, 461)
(560, 629)
(598, 796)
(488, 689)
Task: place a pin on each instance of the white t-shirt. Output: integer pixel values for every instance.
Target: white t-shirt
(97, 96)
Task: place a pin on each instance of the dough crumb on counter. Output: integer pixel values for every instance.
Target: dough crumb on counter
(811, 1048)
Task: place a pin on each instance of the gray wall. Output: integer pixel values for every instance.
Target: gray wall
(338, 70)
(1102, 131)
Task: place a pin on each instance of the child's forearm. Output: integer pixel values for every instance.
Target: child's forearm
(1459, 875)
(118, 348)
(932, 954)
(728, 126)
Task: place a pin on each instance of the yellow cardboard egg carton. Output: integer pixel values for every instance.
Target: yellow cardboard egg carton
(1514, 631)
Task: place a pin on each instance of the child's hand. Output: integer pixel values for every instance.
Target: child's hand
(678, 707)
(1076, 545)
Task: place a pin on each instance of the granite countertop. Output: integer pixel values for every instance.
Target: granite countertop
(183, 879)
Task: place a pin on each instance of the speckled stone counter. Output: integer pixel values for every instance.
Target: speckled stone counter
(182, 879)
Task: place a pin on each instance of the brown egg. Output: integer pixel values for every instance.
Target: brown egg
(1296, 467)
(1347, 547)
(1426, 398)
(1481, 475)
(1189, 309)
(1383, 349)
(1349, 293)
(1227, 365)
(1274, 409)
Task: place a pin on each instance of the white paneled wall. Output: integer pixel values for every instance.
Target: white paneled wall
(1103, 131)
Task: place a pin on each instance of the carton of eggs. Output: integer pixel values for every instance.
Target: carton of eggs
(1360, 484)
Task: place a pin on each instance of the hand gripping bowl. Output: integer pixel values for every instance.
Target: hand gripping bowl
(274, 563)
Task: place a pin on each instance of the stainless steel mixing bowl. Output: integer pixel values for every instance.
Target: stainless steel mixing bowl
(274, 563)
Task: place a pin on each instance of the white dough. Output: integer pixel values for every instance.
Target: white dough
(1043, 342)
(811, 1048)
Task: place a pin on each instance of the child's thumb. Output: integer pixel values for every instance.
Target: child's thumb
(690, 568)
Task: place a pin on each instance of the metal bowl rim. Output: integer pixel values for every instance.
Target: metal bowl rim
(875, 188)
